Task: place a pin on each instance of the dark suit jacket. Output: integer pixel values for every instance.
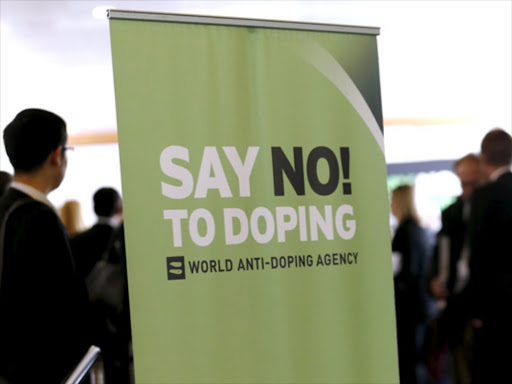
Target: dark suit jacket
(454, 317)
(89, 246)
(491, 248)
(43, 303)
(491, 280)
(454, 227)
(411, 241)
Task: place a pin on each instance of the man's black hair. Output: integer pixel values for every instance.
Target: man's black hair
(106, 202)
(497, 147)
(32, 136)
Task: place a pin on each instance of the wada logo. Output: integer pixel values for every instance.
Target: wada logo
(176, 268)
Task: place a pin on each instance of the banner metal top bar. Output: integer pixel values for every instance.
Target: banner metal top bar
(240, 22)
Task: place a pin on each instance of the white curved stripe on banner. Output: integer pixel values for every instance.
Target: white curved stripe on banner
(322, 60)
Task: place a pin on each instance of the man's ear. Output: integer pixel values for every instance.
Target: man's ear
(55, 157)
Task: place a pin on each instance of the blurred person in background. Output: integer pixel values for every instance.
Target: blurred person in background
(71, 216)
(450, 273)
(44, 327)
(89, 246)
(411, 247)
(120, 337)
(490, 288)
(5, 181)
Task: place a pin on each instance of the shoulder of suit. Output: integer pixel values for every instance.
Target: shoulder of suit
(95, 230)
(29, 206)
(482, 190)
(494, 194)
(453, 210)
(505, 178)
(457, 204)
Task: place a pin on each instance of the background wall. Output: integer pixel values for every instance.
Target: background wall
(445, 68)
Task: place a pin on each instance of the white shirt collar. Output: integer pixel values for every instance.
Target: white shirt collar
(112, 221)
(33, 193)
(498, 172)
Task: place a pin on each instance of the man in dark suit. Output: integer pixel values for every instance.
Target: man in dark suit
(43, 302)
(491, 262)
(89, 246)
(450, 271)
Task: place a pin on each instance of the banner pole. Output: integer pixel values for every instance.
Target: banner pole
(240, 22)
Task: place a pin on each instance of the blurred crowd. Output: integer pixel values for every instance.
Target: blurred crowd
(63, 286)
(453, 292)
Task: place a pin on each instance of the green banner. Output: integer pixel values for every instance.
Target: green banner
(256, 207)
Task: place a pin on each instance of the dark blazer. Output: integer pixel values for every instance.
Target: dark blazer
(89, 246)
(43, 304)
(411, 241)
(491, 247)
(454, 227)
(491, 279)
(454, 317)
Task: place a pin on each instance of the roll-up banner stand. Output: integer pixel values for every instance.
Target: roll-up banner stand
(255, 200)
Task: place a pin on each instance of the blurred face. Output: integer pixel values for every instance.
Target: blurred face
(470, 176)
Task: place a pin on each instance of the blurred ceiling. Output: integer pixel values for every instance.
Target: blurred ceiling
(438, 59)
